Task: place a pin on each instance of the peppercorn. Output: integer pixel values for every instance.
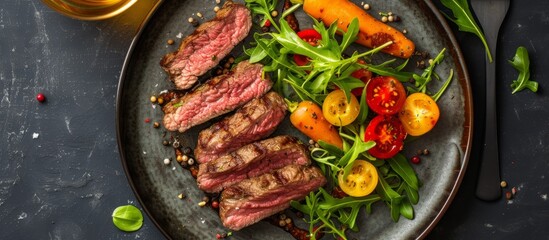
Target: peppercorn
(40, 97)
(415, 160)
(202, 204)
(181, 196)
(508, 195)
(171, 41)
(215, 204)
(167, 161)
(175, 144)
(366, 6)
(274, 13)
(165, 143)
(153, 99)
(190, 161)
(426, 151)
(156, 124)
(503, 184)
(179, 158)
(216, 8)
(160, 101)
(384, 19)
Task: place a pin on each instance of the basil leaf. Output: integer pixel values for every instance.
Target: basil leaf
(401, 166)
(463, 18)
(521, 63)
(127, 218)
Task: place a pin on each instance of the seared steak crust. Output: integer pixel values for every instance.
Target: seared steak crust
(218, 96)
(253, 199)
(255, 120)
(250, 161)
(207, 45)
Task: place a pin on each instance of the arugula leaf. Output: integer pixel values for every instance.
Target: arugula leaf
(521, 62)
(463, 18)
(401, 166)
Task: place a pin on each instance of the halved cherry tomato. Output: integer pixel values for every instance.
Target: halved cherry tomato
(338, 111)
(361, 181)
(385, 95)
(310, 36)
(365, 76)
(419, 114)
(388, 133)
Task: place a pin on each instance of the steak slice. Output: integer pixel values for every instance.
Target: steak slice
(253, 199)
(255, 120)
(216, 97)
(207, 45)
(251, 160)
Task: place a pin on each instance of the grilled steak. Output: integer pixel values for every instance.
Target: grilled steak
(218, 96)
(255, 120)
(253, 199)
(207, 45)
(251, 160)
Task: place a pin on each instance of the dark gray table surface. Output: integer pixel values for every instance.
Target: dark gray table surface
(60, 170)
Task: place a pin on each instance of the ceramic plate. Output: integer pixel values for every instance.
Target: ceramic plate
(157, 185)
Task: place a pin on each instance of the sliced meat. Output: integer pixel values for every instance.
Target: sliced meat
(251, 160)
(218, 96)
(253, 199)
(255, 120)
(207, 45)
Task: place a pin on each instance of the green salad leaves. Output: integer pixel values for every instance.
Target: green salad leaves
(127, 218)
(463, 18)
(521, 62)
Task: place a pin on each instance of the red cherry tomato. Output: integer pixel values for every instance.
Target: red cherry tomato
(310, 36)
(385, 95)
(388, 133)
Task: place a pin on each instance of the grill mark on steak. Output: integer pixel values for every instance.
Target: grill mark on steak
(255, 120)
(251, 160)
(256, 198)
(216, 97)
(207, 45)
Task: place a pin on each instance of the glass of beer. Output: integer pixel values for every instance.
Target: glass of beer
(90, 9)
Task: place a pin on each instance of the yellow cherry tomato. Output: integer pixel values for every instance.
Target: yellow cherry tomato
(361, 181)
(419, 114)
(338, 111)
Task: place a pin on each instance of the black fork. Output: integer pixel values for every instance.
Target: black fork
(491, 14)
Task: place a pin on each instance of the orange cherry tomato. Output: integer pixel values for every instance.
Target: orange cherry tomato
(419, 114)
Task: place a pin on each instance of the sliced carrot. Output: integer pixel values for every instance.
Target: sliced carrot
(372, 32)
(308, 119)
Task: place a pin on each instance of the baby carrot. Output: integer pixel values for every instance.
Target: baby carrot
(372, 32)
(308, 119)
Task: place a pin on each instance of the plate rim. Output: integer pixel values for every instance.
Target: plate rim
(466, 141)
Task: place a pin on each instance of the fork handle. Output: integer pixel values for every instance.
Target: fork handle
(488, 184)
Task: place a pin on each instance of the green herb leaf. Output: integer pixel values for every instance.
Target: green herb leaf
(127, 218)
(406, 209)
(442, 89)
(350, 36)
(463, 18)
(521, 62)
(403, 168)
